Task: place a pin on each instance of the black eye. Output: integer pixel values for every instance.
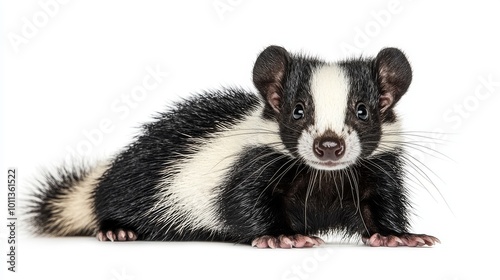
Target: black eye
(362, 112)
(298, 112)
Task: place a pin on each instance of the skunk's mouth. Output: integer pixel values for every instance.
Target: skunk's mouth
(329, 164)
(328, 151)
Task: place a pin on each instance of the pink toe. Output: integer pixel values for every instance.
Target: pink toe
(131, 235)
(285, 242)
(110, 235)
(100, 236)
(122, 235)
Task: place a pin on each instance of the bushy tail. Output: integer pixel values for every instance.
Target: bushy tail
(63, 202)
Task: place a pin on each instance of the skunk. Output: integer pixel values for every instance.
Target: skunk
(319, 149)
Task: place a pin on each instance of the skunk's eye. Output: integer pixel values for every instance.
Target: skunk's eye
(298, 112)
(362, 112)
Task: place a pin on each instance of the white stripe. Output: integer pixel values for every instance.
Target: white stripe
(191, 195)
(391, 138)
(330, 91)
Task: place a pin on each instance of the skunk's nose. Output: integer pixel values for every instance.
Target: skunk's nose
(328, 148)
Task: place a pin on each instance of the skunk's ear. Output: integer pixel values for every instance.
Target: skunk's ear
(394, 75)
(269, 74)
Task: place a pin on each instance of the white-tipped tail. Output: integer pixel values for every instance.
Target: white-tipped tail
(64, 204)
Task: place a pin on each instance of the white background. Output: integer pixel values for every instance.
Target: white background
(72, 70)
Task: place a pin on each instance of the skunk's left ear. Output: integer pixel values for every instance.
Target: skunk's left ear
(393, 73)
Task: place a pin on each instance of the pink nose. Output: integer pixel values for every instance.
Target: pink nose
(328, 148)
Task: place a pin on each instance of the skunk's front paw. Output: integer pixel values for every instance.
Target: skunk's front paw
(407, 239)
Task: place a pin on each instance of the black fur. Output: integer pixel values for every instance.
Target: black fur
(274, 202)
(127, 189)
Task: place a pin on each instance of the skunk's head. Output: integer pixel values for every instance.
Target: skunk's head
(332, 114)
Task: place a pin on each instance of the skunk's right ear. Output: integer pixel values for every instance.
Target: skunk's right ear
(393, 77)
(269, 74)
